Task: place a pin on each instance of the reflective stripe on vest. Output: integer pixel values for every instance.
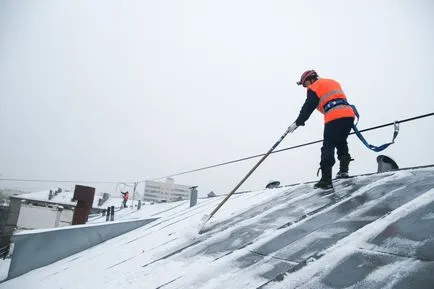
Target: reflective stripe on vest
(328, 97)
(328, 90)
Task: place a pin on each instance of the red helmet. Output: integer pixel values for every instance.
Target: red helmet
(307, 75)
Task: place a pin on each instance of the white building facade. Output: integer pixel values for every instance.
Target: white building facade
(165, 191)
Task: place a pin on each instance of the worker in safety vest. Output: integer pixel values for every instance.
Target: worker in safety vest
(327, 96)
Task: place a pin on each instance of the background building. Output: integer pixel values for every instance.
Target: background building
(165, 191)
(53, 208)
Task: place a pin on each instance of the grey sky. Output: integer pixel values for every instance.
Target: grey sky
(132, 90)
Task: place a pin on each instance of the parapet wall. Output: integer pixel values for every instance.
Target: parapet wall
(35, 249)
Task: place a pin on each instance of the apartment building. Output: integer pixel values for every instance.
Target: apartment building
(166, 191)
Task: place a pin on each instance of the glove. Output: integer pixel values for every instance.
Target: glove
(292, 127)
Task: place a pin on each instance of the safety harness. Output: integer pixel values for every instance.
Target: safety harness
(340, 102)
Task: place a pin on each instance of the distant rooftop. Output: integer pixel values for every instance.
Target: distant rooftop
(65, 196)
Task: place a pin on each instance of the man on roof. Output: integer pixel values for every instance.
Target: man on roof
(327, 96)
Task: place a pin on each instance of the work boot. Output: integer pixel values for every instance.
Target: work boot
(343, 167)
(325, 182)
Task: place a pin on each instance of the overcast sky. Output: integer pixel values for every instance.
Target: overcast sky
(134, 90)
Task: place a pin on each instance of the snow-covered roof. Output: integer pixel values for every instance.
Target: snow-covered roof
(65, 196)
(375, 231)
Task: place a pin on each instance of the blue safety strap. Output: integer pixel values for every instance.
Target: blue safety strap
(333, 103)
(372, 147)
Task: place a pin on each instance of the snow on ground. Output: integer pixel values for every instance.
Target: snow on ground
(288, 237)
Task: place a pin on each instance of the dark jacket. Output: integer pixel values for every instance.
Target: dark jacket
(308, 107)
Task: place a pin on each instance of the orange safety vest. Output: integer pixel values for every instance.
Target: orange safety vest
(327, 90)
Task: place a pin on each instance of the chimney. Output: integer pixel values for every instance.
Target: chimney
(193, 196)
(84, 197)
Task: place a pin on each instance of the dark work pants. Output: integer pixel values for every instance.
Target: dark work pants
(335, 136)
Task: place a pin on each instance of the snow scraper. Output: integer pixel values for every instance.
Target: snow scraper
(206, 218)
